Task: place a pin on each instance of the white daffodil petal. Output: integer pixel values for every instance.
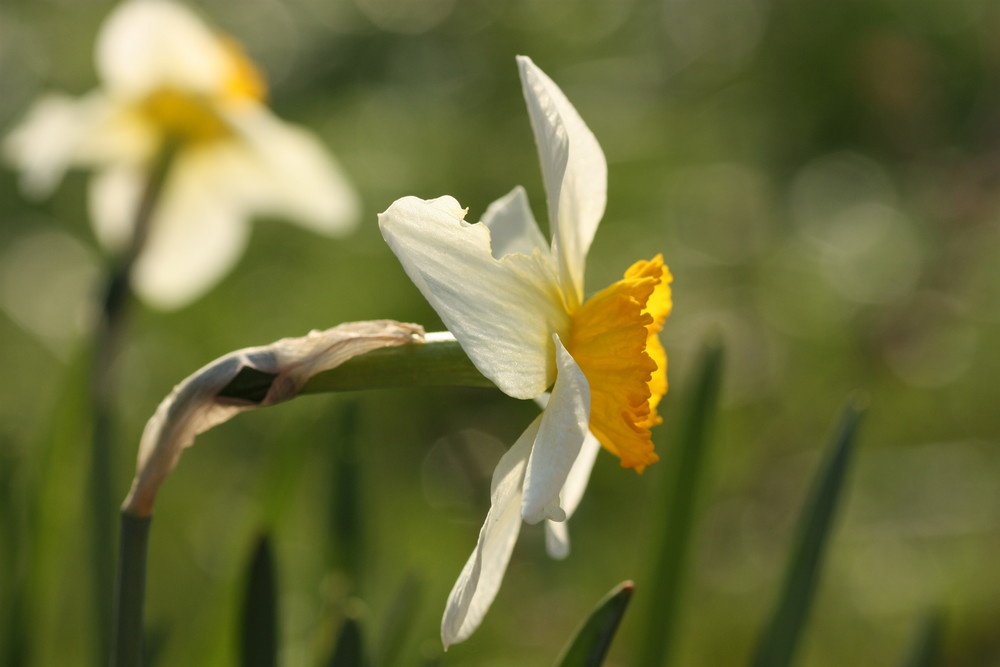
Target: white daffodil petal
(292, 175)
(180, 263)
(579, 475)
(197, 234)
(557, 532)
(480, 579)
(149, 44)
(502, 312)
(113, 198)
(512, 226)
(557, 539)
(574, 168)
(550, 134)
(51, 139)
(563, 429)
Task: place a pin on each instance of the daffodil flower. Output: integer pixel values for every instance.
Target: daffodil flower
(166, 78)
(516, 305)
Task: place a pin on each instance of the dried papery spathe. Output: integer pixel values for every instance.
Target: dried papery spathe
(198, 403)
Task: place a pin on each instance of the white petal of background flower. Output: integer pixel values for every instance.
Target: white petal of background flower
(46, 143)
(512, 225)
(197, 235)
(561, 434)
(113, 197)
(480, 579)
(574, 168)
(148, 44)
(503, 312)
(293, 175)
(183, 261)
(60, 132)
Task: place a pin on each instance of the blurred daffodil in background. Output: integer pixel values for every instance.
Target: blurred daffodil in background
(517, 307)
(172, 85)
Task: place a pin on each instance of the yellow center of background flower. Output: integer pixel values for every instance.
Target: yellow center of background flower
(614, 339)
(194, 118)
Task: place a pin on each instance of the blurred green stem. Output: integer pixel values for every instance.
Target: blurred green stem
(130, 591)
(103, 388)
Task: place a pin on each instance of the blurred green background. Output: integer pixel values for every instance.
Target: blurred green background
(824, 182)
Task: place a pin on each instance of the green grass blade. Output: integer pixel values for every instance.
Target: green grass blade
(55, 540)
(346, 510)
(259, 630)
(926, 651)
(13, 576)
(777, 644)
(593, 640)
(350, 649)
(678, 509)
(399, 620)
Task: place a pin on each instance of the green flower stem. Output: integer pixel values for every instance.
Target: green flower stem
(434, 363)
(130, 590)
(103, 388)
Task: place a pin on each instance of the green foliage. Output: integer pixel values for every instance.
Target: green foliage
(349, 650)
(346, 517)
(926, 650)
(781, 637)
(593, 639)
(398, 623)
(259, 635)
(668, 565)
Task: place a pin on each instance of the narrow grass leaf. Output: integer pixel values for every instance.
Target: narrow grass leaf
(55, 538)
(926, 650)
(13, 584)
(677, 509)
(259, 627)
(346, 518)
(350, 649)
(399, 621)
(779, 640)
(593, 640)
